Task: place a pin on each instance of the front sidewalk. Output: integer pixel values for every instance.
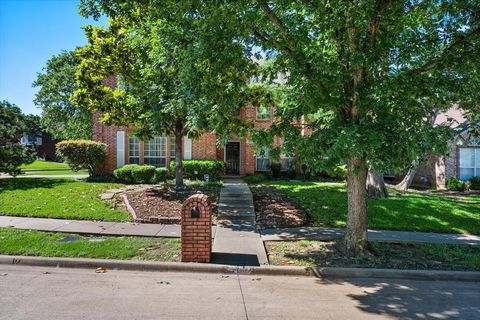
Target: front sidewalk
(173, 231)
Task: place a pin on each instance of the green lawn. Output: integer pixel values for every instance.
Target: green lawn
(58, 198)
(51, 244)
(327, 203)
(41, 167)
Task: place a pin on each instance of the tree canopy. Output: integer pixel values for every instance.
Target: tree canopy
(165, 85)
(360, 76)
(12, 125)
(56, 85)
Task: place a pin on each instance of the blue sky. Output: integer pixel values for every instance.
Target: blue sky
(31, 32)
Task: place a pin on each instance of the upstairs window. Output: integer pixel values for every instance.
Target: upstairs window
(264, 113)
(133, 150)
(155, 151)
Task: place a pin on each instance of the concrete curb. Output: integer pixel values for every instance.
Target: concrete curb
(323, 273)
(396, 274)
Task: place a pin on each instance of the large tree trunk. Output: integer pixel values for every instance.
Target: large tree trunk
(178, 154)
(406, 182)
(376, 188)
(355, 240)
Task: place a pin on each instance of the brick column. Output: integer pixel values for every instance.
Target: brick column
(197, 231)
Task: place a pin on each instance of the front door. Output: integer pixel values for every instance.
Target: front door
(232, 157)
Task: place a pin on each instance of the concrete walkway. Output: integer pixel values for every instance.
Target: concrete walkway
(94, 227)
(323, 233)
(237, 242)
(239, 236)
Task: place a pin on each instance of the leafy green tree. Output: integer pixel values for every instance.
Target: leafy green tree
(165, 85)
(12, 125)
(357, 75)
(56, 85)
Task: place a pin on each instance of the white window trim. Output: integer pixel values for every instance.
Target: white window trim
(120, 149)
(187, 148)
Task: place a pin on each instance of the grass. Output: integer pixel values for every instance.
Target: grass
(412, 211)
(387, 255)
(50, 244)
(58, 198)
(42, 167)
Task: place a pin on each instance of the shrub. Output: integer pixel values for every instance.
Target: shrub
(194, 169)
(291, 174)
(475, 183)
(255, 178)
(82, 153)
(454, 184)
(276, 167)
(124, 173)
(161, 174)
(143, 174)
(338, 173)
(134, 173)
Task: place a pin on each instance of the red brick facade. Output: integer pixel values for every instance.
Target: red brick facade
(197, 231)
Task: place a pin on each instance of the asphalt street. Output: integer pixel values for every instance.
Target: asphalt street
(54, 293)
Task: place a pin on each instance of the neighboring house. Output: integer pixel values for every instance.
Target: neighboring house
(43, 143)
(238, 153)
(462, 160)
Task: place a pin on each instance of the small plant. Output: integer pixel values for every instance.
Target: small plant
(134, 173)
(475, 183)
(82, 153)
(276, 167)
(255, 178)
(454, 184)
(161, 174)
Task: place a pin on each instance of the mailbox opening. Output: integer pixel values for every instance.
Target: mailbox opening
(195, 213)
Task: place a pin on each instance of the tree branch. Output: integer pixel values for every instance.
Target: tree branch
(432, 64)
(289, 45)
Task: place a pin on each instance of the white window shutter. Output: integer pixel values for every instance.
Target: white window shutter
(187, 147)
(120, 149)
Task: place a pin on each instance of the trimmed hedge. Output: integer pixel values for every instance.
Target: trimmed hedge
(161, 174)
(255, 178)
(134, 173)
(475, 183)
(454, 184)
(195, 169)
(82, 153)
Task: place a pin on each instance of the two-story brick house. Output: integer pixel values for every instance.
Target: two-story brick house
(463, 160)
(238, 153)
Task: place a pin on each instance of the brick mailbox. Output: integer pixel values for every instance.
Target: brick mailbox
(196, 229)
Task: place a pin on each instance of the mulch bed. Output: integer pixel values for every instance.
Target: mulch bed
(275, 209)
(162, 204)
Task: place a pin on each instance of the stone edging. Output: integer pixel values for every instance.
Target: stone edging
(323, 273)
(158, 220)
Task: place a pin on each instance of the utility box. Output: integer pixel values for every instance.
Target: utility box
(197, 229)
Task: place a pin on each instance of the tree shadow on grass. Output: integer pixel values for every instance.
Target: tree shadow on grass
(409, 299)
(10, 184)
